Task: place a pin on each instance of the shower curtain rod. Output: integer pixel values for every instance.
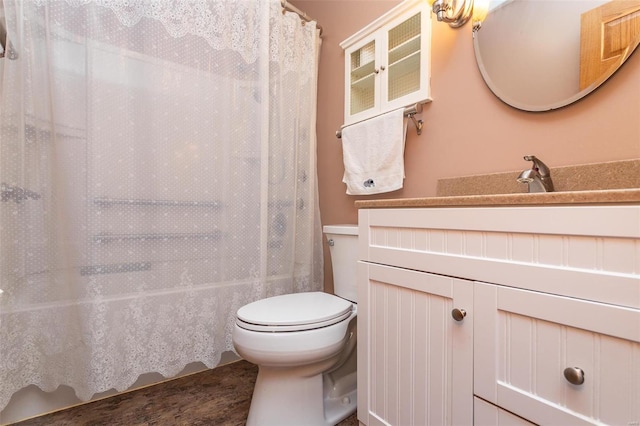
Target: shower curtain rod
(291, 8)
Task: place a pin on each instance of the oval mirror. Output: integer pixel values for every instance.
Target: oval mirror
(541, 55)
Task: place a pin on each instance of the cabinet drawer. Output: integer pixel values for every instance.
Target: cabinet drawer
(525, 340)
(590, 253)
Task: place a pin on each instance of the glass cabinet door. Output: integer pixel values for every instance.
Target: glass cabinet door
(362, 78)
(403, 57)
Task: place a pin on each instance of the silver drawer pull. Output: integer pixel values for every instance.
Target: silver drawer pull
(458, 314)
(331, 242)
(574, 375)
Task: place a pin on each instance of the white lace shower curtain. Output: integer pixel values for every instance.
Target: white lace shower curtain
(157, 161)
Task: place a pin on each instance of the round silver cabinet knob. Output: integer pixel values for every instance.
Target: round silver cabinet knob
(574, 375)
(458, 314)
(331, 242)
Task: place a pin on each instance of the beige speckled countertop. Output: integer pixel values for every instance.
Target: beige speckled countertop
(609, 196)
(614, 182)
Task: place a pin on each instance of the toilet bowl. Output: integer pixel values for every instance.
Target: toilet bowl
(305, 346)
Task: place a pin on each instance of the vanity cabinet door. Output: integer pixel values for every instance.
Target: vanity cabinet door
(414, 359)
(556, 360)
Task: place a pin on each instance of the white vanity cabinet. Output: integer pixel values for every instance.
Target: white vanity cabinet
(545, 289)
(387, 63)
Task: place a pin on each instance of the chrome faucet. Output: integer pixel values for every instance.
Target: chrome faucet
(538, 177)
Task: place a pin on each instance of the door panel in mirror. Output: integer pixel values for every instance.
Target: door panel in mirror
(607, 37)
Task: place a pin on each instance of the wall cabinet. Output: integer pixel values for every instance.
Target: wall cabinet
(551, 333)
(387, 63)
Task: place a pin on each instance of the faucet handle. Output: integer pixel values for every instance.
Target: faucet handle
(538, 165)
(538, 177)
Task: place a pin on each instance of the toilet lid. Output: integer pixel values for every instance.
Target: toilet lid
(294, 312)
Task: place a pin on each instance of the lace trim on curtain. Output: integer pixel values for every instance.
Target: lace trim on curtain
(234, 25)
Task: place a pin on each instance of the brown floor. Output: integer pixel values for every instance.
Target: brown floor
(214, 397)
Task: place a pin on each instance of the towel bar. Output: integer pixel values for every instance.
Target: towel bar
(408, 112)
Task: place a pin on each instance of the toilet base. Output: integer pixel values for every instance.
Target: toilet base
(341, 388)
(282, 397)
(338, 409)
(288, 397)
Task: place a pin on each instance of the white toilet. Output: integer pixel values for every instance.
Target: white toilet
(305, 346)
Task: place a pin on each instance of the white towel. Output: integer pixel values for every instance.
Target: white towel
(373, 154)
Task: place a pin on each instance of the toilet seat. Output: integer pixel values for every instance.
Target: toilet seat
(294, 312)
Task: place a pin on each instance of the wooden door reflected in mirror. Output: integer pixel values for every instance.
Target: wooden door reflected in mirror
(608, 35)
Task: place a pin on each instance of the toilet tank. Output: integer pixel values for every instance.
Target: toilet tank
(343, 246)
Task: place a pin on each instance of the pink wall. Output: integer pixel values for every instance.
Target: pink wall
(467, 129)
